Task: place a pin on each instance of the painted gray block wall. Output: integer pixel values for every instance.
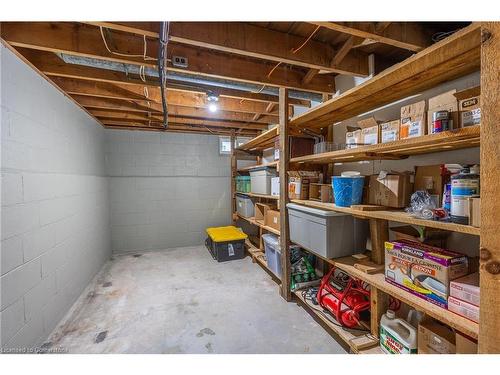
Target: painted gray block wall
(165, 188)
(55, 209)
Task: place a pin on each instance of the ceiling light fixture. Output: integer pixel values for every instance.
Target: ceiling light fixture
(212, 99)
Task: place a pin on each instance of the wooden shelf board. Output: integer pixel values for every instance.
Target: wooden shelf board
(445, 141)
(273, 164)
(358, 341)
(378, 280)
(252, 221)
(261, 142)
(450, 58)
(264, 196)
(396, 216)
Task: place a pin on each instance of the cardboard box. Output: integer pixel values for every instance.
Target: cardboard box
(413, 122)
(465, 344)
(261, 211)
(469, 106)
(423, 270)
(321, 192)
(298, 183)
(429, 236)
(389, 131)
(466, 288)
(353, 139)
(354, 134)
(435, 338)
(299, 146)
(431, 178)
(272, 219)
(462, 308)
(390, 190)
(443, 102)
(475, 211)
(371, 135)
(275, 186)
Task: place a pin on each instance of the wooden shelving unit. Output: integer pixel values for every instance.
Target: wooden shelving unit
(263, 196)
(261, 142)
(252, 221)
(248, 169)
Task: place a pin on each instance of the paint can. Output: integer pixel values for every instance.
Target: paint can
(440, 121)
(463, 186)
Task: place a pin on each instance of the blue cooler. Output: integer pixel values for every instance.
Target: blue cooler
(348, 190)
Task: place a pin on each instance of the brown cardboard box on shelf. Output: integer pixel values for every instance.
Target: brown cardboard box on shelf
(355, 134)
(370, 131)
(389, 131)
(272, 219)
(465, 309)
(443, 102)
(261, 211)
(435, 338)
(429, 236)
(475, 211)
(469, 106)
(430, 178)
(466, 288)
(413, 122)
(321, 192)
(353, 139)
(390, 190)
(298, 183)
(465, 344)
(299, 146)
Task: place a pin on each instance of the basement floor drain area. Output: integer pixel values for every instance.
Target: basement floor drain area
(182, 301)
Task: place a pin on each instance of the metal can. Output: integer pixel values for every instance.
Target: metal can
(440, 121)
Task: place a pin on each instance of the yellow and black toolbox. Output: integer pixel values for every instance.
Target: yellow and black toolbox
(226, 243)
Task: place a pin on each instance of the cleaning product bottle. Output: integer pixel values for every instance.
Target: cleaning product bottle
(397, 336)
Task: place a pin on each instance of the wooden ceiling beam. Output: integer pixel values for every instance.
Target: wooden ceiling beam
(346, 47)
(405, 35)
(252, 41)
(86, 41)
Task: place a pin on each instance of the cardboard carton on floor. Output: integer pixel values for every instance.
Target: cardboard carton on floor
(413, 122)
(435, 338)
(389, 131)
(443, 102)
(469, 106)
(298, 183)
(390, 190)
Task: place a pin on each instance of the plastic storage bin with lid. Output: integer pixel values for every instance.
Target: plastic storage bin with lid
(243, 184)
(226, 243)
(348, 188)
(245, 205)
(273, 252)
(260, 180)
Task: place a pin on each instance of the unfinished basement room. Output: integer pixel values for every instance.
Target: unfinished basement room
(250, 187)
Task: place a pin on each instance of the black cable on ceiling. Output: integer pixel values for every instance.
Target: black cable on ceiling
(162, 50)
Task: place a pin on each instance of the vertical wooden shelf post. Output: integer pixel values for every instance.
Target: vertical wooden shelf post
(283, 168)
(379, 302)
(234, 169)
(489, 327)
(379, 233)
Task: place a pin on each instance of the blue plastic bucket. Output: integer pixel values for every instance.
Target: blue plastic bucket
(348, 190)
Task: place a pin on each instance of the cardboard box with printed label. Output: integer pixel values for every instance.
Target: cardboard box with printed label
(298, 183)
(272, 219)
(275, 186)
(390, 190)
(389, 131)
(423, 270)
(353, 139)
(413, 122)
(469, 106)
(462, 308)
(431, 179)
(435, 338)
(466, 288)
(365, 133)
(443, 102)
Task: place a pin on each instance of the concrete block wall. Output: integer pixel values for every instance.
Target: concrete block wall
(165, 188)
(55, 210)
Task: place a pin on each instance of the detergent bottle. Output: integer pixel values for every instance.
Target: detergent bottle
(397, 336)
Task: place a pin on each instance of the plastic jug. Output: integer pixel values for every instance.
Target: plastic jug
(397, 336)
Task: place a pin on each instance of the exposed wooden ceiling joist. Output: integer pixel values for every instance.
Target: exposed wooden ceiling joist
(403, 35)
(174, 128)
(86, 41)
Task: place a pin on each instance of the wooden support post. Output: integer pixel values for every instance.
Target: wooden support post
(379, 232)
(234, 170)
(283, 168)
(489, 339)
(379, 302)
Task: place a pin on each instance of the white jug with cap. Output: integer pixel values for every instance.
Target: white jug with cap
(397, 336)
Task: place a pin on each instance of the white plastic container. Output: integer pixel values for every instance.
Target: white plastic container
(273, 253)
(397, 336)
(260, 180)
(245, 205)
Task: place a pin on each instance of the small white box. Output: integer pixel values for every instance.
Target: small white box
(275, 186)
(466, 288)
(465, 309)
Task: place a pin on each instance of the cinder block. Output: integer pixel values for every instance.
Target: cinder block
(38, 186)
(18, 281)
(30, 336)
(12, 320)
(39, 296)
(19, 219)
(54, 258)
(38, 241)
(12, 188)
(12, 253)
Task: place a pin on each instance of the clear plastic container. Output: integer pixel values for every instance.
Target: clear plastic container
(273, 253)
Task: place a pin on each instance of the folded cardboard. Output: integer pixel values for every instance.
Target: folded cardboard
(272, 219)
(413, 122)
(390, 190)
(321, 192)
(431, 178)
(469, 106)
(466, 288)
(389, 131)
(443, 102)
(435, 338)
(423, 270)
(465, 309)
(465, 344)
(275, 186)
(260, 212)
(475, 211)
(298, 183)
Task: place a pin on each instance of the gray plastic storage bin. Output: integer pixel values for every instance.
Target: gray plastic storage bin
(245, 205)
(260, 180)
(273, 253)
(326, 233)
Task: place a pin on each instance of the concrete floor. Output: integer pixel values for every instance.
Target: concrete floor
(182, 301)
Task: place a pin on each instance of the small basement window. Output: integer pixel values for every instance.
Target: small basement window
(225, 144)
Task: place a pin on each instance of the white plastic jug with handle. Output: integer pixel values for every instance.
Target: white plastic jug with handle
(397, 336)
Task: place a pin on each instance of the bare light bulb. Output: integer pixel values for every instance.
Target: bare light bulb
(212, 107)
